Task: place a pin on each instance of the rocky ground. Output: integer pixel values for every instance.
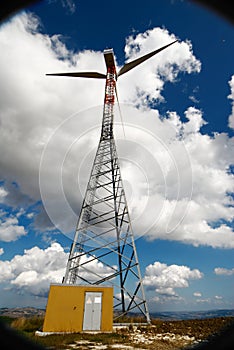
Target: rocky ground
(139, 340)
(162, 335)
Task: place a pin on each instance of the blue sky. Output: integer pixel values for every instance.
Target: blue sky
(176, 158)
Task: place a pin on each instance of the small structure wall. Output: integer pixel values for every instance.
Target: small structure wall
(66, 305)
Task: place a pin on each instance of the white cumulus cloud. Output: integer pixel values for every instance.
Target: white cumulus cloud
(147, 81)
(3, 194)
(37, 268)
(223, 271)
(164, 279)
(231, 97)
(10, 229)
(178, 179)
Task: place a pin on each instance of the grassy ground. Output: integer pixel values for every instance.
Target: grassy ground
(161, 335)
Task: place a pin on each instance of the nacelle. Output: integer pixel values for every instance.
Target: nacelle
(109, 58)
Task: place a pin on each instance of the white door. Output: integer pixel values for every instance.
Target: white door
(92, 311)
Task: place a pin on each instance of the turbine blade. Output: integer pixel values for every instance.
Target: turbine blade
(139, 60)
(80, 75)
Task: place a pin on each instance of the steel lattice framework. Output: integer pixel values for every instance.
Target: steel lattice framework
(103, 250)
(104, 232)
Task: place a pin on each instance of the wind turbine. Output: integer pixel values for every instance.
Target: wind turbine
(103, 250)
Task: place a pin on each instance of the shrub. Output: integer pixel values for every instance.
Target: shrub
(31, 324)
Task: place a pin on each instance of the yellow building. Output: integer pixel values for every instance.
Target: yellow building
(75, 308)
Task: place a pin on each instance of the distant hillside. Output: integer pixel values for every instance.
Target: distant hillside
(191, 315)
(176, 315)
(21, 312)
